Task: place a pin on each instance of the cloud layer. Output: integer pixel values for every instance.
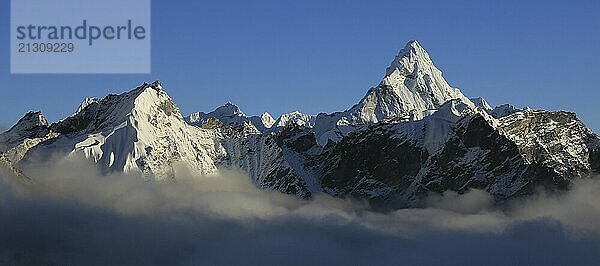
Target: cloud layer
(75, 215)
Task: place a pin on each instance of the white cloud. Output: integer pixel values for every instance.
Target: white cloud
(227, 214)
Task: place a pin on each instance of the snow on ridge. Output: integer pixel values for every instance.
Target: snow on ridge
(412, 88)
(503, 110)
(297, 118)
(230, 114)
(142, 130)
(139, 131)
(134, 130)
(32, 125)
(86, 102)
(482, 103)
(267, 119)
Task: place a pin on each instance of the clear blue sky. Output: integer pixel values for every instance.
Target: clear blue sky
(314, 56)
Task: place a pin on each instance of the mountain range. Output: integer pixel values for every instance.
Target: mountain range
(410, 136)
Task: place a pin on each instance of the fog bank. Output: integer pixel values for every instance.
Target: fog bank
(76, 215)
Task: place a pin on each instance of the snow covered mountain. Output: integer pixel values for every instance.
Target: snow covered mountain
(481, 103)
(232, 115)
(32, 125)
(138, 131)
(412, 88)
(408, 137)
(295, 118)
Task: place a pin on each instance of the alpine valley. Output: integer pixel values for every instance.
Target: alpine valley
(410, 136)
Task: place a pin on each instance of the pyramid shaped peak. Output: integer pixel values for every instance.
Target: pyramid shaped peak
(228, 109)
(481, 102)
(412, 86)
(412, 54)
(412, 47)
(413, 44)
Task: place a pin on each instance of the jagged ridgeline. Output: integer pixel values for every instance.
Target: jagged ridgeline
(411, 135)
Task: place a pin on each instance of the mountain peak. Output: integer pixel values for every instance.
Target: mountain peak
(31, 125)
(142, 103)
(412, 87)
(86, 102)
(34, 118)
(267, 120)
(145, 98)
(481, 102)
(412, 44)
(156, 85)
(229, 114)
(297, 118)
(229, 109)
(31, 120)
(412, 56)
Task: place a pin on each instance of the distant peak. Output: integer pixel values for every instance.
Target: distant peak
(481, 102)
(228, 109)
(266, 115)
(295, 117)
(267, 120)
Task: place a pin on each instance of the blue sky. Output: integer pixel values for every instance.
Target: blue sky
(315, 56)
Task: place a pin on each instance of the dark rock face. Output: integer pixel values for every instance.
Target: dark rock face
(478, 157)
(557, 140)
(296, 138)
(595, 161)
(481, 157)
(284, 174)
(527, 151)
(370, 164)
